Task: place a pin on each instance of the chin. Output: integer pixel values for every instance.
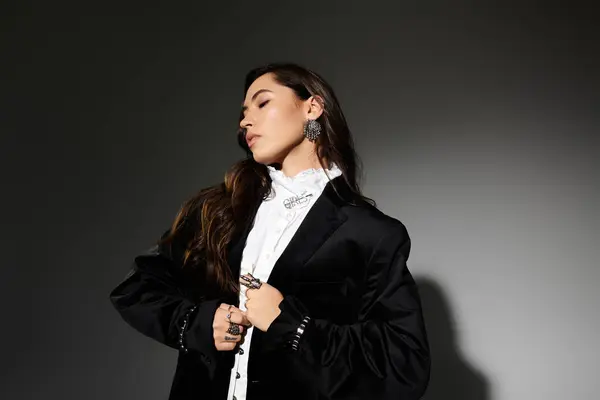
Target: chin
(266, 158)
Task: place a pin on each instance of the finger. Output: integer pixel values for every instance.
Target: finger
(246, 321)
(252, 285)
(249, 281)
(225, 346)
(236, 318)
(245, 286)
(228, 309)
(224, 306)
(229, 338)
(234, 308)
(248, 277)
(229, 313)
(234, 330)
(220, 318)
(241, 319)
(221, 323)
(220, 330)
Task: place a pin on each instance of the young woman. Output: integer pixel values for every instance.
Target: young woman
(284, 282)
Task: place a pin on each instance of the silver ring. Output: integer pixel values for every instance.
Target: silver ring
(234, 329)
(251, 282)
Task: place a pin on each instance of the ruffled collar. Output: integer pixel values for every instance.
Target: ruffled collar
(310, 179)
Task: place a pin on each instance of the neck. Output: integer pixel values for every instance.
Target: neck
(301, 158)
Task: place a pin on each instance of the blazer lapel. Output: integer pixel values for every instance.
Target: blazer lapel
(320, 222)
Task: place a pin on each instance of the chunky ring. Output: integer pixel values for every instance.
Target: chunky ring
(251, 282)
(234, 329)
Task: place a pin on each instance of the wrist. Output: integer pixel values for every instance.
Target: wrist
(291, 326)
(276, 314)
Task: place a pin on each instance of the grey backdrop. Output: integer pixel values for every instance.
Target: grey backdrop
(477, 126)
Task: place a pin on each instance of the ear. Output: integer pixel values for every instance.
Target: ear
(314, 107)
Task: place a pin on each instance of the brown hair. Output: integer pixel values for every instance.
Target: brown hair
(209, 221)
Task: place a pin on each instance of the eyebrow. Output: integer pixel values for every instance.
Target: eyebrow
(244, 108)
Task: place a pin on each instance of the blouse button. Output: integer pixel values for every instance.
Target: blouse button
(237, 375)
(241, 351)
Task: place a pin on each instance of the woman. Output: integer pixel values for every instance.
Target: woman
(284, 282)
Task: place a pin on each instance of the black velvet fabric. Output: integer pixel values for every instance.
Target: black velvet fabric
(345, 268)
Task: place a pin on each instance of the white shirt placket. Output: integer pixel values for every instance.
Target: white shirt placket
(266, 261)
(274, 227)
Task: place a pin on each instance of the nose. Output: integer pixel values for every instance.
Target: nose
(245, 122)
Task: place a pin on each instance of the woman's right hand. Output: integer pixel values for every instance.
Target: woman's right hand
(225, 341)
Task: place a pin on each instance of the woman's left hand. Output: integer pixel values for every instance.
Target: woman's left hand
(262, 306)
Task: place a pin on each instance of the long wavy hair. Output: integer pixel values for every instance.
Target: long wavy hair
(209, 221)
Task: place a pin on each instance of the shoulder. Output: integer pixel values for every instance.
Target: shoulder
(374, 220)
(374, 228)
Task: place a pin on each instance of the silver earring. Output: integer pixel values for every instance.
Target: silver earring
(312, 129)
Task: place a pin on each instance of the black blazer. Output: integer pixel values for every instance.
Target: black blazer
(345, 268)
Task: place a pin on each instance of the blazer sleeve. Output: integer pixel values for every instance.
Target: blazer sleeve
(155, 299)
(383, 355)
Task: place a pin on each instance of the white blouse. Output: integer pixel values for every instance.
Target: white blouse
(277, 220)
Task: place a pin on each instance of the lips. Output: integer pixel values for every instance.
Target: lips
(251, 138)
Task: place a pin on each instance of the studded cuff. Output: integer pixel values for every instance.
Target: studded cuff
(299, 332)
(195, 333)
(184, 326)
(290, 327)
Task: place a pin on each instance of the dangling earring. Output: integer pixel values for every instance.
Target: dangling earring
(312, 129)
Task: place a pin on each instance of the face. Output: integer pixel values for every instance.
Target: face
(276, 116)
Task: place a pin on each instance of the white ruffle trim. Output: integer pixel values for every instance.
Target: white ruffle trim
(278, 175)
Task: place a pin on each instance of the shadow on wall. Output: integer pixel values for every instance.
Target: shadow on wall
(452, 377)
